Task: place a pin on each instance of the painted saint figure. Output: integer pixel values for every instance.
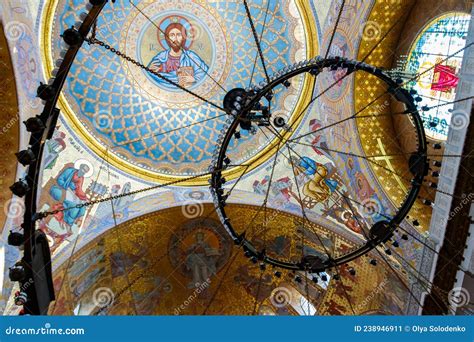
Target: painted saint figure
(201, 261)
(320, 186)
(177, 63)
(68, 192)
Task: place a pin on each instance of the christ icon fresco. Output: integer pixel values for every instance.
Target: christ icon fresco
(201, 260)
(177, 63)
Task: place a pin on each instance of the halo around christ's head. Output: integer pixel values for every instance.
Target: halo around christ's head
(179, 22)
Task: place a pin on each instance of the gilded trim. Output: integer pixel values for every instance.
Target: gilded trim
(306, 93)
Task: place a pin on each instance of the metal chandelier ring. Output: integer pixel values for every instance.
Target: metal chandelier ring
(245, 102)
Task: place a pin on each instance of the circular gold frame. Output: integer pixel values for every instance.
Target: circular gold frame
(148, 175)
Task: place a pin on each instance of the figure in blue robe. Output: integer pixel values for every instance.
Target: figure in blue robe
(188, 58)
(70, 179)
(310, 168)
(177, 63)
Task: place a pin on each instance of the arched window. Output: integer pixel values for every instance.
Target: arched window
(439, 39)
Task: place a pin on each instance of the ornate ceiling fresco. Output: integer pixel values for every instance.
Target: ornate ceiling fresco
(166, 263)
(387, 137)
(139, 121)
(377, 134)
(21, 67)
(379, 140)
(122, 130)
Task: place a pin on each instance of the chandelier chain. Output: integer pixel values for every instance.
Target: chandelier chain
(92, 40)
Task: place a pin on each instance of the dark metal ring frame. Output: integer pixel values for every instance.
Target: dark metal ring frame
(34, 271)
(33, 285)
(243, 102)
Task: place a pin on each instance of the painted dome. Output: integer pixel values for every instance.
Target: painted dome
(136, 118)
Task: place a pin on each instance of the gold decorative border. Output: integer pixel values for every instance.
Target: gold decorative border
(103, 152)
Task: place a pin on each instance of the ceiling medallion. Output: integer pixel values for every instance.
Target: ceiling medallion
(204, 52)
(124, 110)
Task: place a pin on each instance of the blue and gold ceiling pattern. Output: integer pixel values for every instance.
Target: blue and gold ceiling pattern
(129, 113)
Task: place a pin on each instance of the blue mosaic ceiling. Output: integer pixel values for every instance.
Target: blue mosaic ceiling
(134, 116)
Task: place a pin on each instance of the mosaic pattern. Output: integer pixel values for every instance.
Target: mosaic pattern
(141, 119)
(442, 37)
(131, 262)
(377, 136)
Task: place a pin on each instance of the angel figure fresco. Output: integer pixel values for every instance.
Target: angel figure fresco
(318, 182)
(358, 180)
(177, 63)
(318, 140)
(348, 215)
(280, 189)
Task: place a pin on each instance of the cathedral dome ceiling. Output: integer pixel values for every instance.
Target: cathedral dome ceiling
(126, 133)
(150, 128)
(124, 130)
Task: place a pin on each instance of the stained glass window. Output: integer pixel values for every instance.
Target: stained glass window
(436, 86)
